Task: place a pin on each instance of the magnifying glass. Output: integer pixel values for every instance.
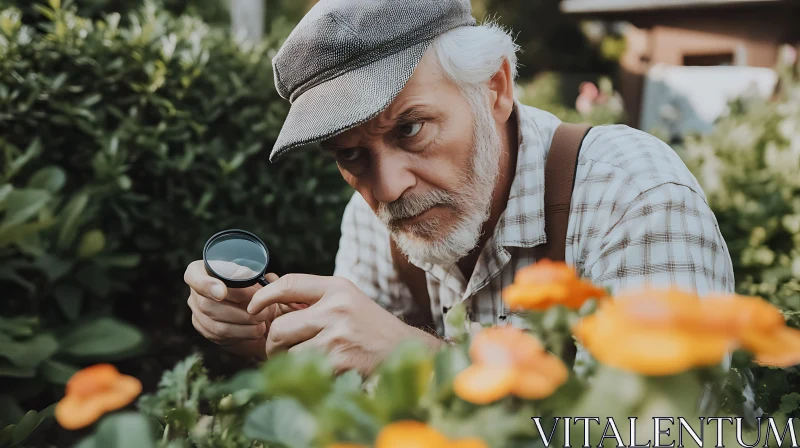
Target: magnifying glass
(236, 257)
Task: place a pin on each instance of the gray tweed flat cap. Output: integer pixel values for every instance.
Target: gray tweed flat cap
(347, 60)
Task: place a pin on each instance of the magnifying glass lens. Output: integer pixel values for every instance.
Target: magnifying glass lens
(236, 257)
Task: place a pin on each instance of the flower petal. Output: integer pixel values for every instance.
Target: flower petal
(480, 384)
(74, 413)
(471, 442)
(410, 434)
(649, 350)
(778, 348)
(534, 385)
(85, 402)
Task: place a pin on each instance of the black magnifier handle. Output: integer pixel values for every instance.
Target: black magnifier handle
(263, 281)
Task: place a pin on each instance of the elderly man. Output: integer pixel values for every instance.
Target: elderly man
(415, 102)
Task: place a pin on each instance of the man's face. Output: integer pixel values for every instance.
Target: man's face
(427, 165)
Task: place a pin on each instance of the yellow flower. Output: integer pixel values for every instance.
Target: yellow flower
(413, 434)
(665, 332)
(546, 284)
(508, 361)
(95, 391)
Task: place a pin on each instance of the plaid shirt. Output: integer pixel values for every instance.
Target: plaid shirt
(638, 218)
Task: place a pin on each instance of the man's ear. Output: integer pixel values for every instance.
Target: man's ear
(501, 87)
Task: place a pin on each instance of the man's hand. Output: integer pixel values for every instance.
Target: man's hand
(341, 321)
(220, 314)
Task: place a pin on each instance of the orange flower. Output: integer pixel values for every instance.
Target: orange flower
(413, 434)
(508, 361)
(665, 332)
(546, 284)
(94, 391)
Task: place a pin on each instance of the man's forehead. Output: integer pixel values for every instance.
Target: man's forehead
(427, 79)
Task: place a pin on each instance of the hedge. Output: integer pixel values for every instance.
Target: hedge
(125, 145)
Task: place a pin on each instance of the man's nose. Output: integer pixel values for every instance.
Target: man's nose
(391, 177)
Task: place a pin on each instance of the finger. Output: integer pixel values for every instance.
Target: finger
(272, 278)
(198, 279)
(224, 311)
(221, 331)
(292, 329)
(206, 285)
(291, 288)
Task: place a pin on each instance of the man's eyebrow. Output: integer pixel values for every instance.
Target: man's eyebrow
(412, 114)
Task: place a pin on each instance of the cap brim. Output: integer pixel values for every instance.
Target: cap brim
(347, 101)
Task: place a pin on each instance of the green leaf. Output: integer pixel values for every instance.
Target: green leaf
(92, 243)
(26, 427)
(5, 190)
(790, 403)
(124, 430)
(306, 376)
(69, 299)
(282, 421)
(5, 435)
(31, 352)
(33, 150)
(57, 372)
(449, 362)
(49, 178)
(69, 218)
(53, 266)
(20, 206)
(18, 326)
(102, 337)
(403, 379)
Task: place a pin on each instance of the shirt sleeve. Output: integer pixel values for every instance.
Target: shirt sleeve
(667, 236)
(364, 257)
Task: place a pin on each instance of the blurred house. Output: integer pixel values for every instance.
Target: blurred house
(685, 58)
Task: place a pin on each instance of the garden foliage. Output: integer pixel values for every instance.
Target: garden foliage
(749, 168)
(484, 390)
(124, 145)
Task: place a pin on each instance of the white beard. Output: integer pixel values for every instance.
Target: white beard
(471, 204)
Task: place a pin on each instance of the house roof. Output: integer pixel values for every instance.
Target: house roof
(602, 7)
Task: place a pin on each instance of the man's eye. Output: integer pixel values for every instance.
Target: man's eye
(348, 155)
(410, 130)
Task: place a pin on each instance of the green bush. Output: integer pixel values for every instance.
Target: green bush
(211, 11)
(124, 148)
(749, 168)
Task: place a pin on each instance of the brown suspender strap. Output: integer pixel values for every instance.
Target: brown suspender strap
(560, 167)
(559, 180)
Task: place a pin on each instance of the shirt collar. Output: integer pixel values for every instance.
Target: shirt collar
(522, 222)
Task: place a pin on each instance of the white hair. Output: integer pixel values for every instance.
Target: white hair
(471, 55)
